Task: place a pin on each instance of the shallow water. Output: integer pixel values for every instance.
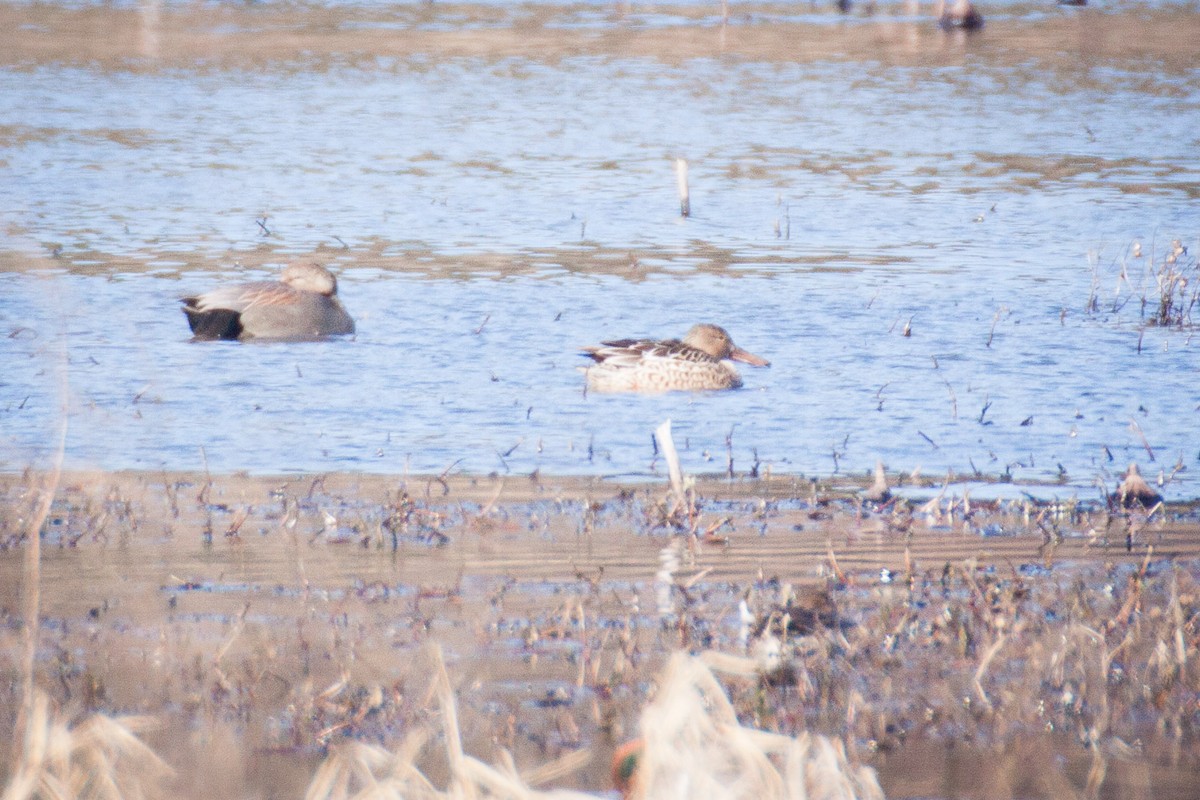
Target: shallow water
(494, 185)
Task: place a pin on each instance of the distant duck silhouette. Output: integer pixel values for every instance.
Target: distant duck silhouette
(1134, 491)
(302, 304)
(701, 361)
(878, 492)
(961, 16)
(797, 612)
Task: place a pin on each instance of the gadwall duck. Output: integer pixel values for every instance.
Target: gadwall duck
(302, 304)
(701, 361)
(960, 16)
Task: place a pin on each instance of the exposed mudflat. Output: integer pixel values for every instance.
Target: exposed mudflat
(964, 648)
(167, 35)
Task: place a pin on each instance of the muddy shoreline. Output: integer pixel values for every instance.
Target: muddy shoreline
(155, 37)
(263, 620)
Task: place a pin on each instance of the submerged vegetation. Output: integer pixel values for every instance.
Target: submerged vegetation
(1175, 278)
(1166, 285)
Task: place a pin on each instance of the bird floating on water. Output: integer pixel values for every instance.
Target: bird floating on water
(700, 361)
(302, 304)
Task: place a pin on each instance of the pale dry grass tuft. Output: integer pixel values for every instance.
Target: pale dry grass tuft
(100, 758)
(692, 746)
(358, 771)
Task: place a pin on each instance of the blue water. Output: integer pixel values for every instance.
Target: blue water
(489, 216)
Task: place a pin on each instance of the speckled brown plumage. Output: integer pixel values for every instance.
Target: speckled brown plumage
(698, 362)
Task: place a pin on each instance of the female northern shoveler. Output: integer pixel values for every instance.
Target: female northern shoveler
(699, 362)
(302, 304)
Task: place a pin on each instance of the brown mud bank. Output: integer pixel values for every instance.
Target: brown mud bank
(239, 36)
(961, 648)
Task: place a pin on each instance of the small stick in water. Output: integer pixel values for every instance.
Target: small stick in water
(666, 444)
(685, 205)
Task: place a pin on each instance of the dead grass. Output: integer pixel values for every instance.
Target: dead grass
(1066, 637)
(1165, 285)
(101, 758)
(692, 746)
(1176, 284)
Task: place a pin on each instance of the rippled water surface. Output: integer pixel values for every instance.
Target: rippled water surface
(494, 185)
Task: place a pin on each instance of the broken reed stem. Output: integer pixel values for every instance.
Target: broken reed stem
(995, 320)
(729, 453)
(1093, 301)
(454, 752)
(953, 399)
(1136, 428)
(984, 663)
(667, 445)
(685, 204)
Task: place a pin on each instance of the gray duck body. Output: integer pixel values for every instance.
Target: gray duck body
(301, 305)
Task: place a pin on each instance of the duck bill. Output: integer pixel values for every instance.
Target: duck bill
(746, 357)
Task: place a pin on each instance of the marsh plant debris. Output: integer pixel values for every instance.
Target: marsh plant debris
(1162, 284)
(218, 631)
(691, 744)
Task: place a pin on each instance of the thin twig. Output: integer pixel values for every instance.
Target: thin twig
(983, 668)
(1133, 425)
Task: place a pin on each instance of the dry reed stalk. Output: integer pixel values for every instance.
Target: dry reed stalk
(557, 769)
(984, 664)
(681, 179)
(838, 574)
(358, 771)
(32, 567)
(1174, 306)
(667, 445)
(382, 773)
(100, 758)
(1096, 772)
(694, 746)
(454, 751)
(32, 603)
